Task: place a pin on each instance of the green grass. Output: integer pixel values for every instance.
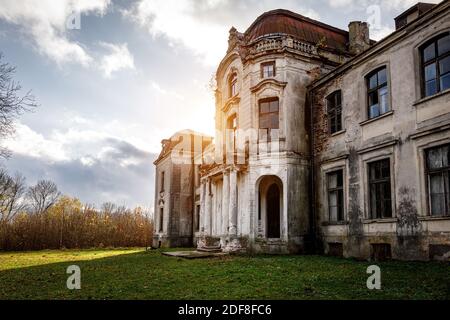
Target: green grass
(137, 274)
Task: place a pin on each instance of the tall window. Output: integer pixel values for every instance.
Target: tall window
(197, 217)
(161, 219)
(232, 85)
(232, 125)
(334, 110)
(162, 181)
(380, 189)
(438, 172)
(269, 115)
(268, 69)
(377, 93)
(335, 196)
(436, 65)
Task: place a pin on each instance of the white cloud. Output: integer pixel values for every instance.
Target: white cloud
(202, 26)
(45, 21)
(119, 58)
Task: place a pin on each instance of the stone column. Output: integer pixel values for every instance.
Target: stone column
(225, 202)
(232, 208)
(202, 207)
(208, 208)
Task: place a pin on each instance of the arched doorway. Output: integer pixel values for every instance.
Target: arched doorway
(273, 211)
(270, 207)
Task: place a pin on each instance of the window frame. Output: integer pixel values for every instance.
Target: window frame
(269, 100)
(445, 171)
(232, 85)
(437, 58)
(338, 189)
(377, 182)
(379, 86)
(336, 110)
(265, 64)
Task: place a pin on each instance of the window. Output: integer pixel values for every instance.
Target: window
(232, 85)
(162, 181)
(268, 69)
(161, 219)
(380, 189)
(197, 218)
(268, 115)
(436, 65)
(438, 172)
(334, 110)
(232, 136)
(377, 93)
(335, 196)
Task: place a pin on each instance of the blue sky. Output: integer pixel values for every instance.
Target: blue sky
(132, 74)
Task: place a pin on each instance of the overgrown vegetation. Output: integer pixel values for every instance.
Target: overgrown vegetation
(38, 217)
(140, 274)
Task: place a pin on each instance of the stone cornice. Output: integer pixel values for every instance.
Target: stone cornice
(233, 100)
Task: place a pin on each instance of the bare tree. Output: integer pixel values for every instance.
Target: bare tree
(12, 196)
(12, 104)
(43, 195)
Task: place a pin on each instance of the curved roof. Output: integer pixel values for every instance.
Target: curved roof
(299, 27)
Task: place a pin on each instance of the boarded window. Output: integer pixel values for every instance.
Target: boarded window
(436, 65)
(334, 110)
(335, 196)
(377, 93)
(438, 172)
(380, 189)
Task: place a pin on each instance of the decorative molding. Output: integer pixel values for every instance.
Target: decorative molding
(267, 82)
(233, 100)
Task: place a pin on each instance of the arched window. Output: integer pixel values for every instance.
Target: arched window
(377, 93)
(435, 59)
(232, 85)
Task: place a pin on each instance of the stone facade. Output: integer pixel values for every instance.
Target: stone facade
(272, 113)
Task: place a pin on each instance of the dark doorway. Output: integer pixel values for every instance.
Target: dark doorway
(273, 211)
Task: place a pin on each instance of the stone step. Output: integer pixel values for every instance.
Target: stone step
(209, 249)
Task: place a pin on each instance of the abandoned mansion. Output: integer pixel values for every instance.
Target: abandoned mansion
(326, 141)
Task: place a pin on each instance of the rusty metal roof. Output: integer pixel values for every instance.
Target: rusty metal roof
(299, 27)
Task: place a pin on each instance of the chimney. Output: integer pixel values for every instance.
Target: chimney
(358, 33)
(412, 14)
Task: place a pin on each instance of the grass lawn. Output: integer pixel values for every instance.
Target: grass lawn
(137, 274)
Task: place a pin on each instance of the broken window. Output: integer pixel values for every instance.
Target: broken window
(438, 168)
(436, 65)
(378, 93)
(335, 196)
(380, 189)
(334, 110)
(268, 69)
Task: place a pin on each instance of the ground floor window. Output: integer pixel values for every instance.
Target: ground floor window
(335, 196)
(438, 173)
(380, 189)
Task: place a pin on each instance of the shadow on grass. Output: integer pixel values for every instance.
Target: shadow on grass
(150, 275)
